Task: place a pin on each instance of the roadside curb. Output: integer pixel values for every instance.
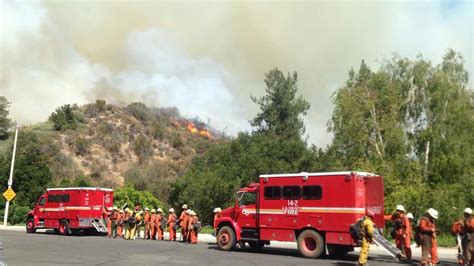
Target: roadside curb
(13, 228)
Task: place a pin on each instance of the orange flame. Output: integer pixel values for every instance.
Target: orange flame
(205, 133)
(202, 132)
(192, 128)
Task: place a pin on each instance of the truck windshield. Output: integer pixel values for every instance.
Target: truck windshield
(42, 201)
(246, 198)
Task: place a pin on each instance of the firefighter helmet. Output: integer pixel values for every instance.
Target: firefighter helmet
(401, 208)
(433, 213)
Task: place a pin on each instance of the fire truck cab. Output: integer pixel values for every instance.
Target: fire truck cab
(69, 209)
(313, 209)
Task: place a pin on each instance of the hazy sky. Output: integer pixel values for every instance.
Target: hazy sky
(208, 58)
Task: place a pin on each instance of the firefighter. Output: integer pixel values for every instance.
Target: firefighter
(193, 227)
(468, 237)
(106, 214)
(427, 230)
(183, 221)
(152, 225)
(187, 237)
(131, 226)
(402, 231)
(112, 222)
(120, 224)
(146, 223)
(159, 223)
(105, 218)
(125, 222)
(368, 234)
(116, 218)
(171, 223)
(139, 223)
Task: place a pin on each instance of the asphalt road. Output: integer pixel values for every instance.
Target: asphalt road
(20, 248)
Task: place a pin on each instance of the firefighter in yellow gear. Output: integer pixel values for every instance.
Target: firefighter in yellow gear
(368, 229)
(139, 221)
(130, 233)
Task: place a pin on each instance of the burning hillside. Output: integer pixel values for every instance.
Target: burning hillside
(198, 131)
(116, 145)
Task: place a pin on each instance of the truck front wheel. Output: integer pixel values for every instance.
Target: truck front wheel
(64, 228)
(226, 238)
(30, 226)
(310, 244)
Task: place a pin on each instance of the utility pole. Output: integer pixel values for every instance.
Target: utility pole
(10, 180)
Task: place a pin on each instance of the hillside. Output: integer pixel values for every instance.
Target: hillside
(106, 145)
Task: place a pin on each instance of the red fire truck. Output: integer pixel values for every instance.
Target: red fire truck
(313, 209)
(69, 209)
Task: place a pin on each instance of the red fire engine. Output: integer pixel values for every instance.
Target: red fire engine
(68, 209)
(313, 209)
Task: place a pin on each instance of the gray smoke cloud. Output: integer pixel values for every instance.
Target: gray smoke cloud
(207, 59)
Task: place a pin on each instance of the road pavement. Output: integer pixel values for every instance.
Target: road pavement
(46, 248)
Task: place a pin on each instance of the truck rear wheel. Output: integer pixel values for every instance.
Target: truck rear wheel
(226, 238)
(310, 244)
(30, 226)
(64, 228)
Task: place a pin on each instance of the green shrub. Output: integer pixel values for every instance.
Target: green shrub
(113, 143)
(101, 105)
(154, 177)
(63, 167)
(78, 181)
(82, 181)
(140, 111)
(66, 117)
(157, 130)
(5, 122)
(142, 148)
(32, 174)
(94, 109)
(207, 229)
(130, 196)
(16, 213)
(177, 141)
(82, 146)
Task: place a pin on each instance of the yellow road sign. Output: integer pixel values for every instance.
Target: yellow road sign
(9, 194)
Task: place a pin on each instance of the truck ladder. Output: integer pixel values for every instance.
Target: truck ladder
(386, 245)
(99, 226)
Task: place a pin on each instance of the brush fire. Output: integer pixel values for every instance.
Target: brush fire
(200, 131)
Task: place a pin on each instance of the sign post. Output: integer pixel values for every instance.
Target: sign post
(9, 194)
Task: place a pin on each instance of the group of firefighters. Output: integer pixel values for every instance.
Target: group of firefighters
(129, 224)
(424, 233)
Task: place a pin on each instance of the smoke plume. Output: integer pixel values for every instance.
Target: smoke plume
(208, 59)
